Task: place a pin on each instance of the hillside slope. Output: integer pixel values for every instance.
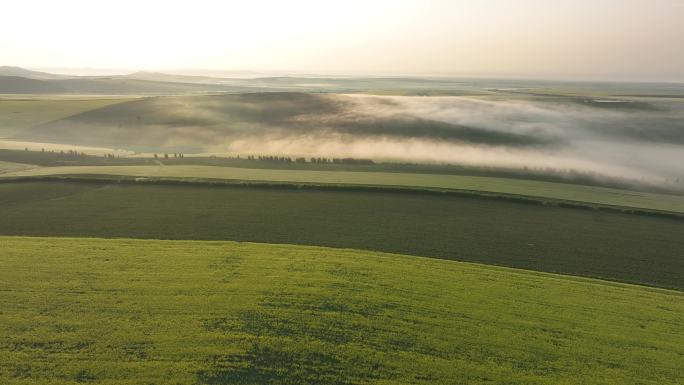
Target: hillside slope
(26, 73)
(199, 122)
(104, 86)
(530, 188)
(140, 312)
(21, 85)
(623, 247)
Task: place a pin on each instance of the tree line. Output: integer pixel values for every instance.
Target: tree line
(317, 160)
(167, 156)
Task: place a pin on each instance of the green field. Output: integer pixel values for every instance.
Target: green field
(624, 247)
(184, 312)
(12, 166)
(572, 192)
(18, 114)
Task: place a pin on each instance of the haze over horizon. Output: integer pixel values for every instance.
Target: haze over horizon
(634, 40)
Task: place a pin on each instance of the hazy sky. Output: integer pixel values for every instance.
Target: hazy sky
(585, 39)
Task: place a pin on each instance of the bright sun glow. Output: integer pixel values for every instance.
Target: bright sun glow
(637, 39)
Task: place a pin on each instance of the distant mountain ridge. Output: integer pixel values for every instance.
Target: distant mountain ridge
(22, 85)
(25, 73)
(16, 80)
(106, 86)
(172, 78)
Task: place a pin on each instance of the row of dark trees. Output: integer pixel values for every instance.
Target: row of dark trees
(287, 159)
(352, 161)
(167, 156)
(61, 152)
(73, 153)
(266, 158)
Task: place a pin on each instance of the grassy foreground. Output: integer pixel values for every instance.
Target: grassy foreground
(563, 191)
(189, 312)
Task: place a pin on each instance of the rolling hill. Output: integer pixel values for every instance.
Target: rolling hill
(197, 122)
(22, 85)
(568, 192)
(25, 73)
(104, 86)
(207, 313)
(242, 81)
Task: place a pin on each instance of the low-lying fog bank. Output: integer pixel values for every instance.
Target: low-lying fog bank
(621, 137)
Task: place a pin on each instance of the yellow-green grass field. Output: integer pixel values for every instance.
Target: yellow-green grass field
(20, 113)
(189, 312)
(13, 166)
(571, 192)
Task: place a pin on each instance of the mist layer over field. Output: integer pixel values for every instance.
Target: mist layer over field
(626, 137)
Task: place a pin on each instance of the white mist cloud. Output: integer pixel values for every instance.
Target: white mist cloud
(634, 138)
(589, 139)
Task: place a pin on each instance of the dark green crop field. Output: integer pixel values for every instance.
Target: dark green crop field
(531, 188)
(140, 312)
(622, 247)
